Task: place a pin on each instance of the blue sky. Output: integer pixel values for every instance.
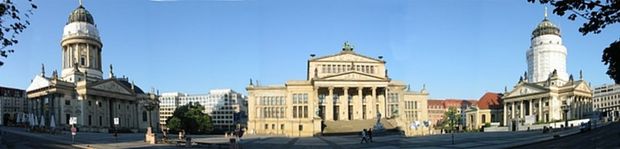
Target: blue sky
(459, 49)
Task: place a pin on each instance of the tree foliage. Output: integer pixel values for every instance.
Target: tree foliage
(451, 118)
(12, 23)
(191, 119)
(599, 14)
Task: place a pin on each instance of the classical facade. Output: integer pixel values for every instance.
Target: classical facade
(488, 110)
(607, 101)
(341, 89)
(223, 105)
(546, 92)
(81, 91)
(12, 105)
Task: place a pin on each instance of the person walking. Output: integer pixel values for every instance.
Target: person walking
(364, 135)
(370, 134)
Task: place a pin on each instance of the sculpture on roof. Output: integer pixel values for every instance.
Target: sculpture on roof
(347, 46)
(42, 70)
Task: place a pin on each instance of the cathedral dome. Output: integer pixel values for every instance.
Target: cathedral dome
(80, 24)
(545, 27)
(80, 14)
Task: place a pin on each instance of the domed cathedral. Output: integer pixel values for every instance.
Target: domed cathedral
(81, 48)
(343, 93)
(81, 92)
(546, 92)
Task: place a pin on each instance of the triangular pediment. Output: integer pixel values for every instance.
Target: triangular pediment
(111, 86)
(348, 57)
(525, 89)
(583, 86)
(38, 82)
(353, 76)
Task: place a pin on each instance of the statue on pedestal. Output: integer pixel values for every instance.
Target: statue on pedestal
(378, 126)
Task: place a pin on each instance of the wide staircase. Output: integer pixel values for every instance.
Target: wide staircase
(348, 127)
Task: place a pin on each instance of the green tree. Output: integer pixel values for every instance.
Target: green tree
(190, 118)
(599, 14)
(174, 123)
(451, 119)
(12, 23)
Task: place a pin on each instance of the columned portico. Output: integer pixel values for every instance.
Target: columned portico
(346, 87)
(350, 103)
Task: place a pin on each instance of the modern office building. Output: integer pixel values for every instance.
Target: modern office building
(607, 101)
(220, 104)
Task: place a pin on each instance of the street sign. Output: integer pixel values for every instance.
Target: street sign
(73, 120)
(116, 121)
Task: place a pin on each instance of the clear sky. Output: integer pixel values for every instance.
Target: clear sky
(459, 49)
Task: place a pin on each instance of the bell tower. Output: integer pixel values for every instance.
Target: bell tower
(81, 47)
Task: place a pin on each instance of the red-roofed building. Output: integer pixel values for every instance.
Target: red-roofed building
(488, 109)
(437, 108)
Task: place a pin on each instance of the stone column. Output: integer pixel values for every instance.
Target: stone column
(521, 109)
(540, 107)
(504, 113)
(357, 104)
(345, 106)
(512, 116)
(372, 106)
(329, 105)
(529, 110)
(369, 101)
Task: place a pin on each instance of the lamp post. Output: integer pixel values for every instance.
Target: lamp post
(149, 106)
(565, 107)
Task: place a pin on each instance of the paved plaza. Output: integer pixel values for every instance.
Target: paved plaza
(461, 140)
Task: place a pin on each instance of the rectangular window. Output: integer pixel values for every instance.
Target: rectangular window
(306, 98)
(305, 111)
(294, 111)
(67, 102)
(301, 127)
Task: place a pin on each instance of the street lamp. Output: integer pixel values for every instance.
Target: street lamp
(565, 107)
(149, 106)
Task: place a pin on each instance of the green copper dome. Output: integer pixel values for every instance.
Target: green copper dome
(80, 14)
(545, 27)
